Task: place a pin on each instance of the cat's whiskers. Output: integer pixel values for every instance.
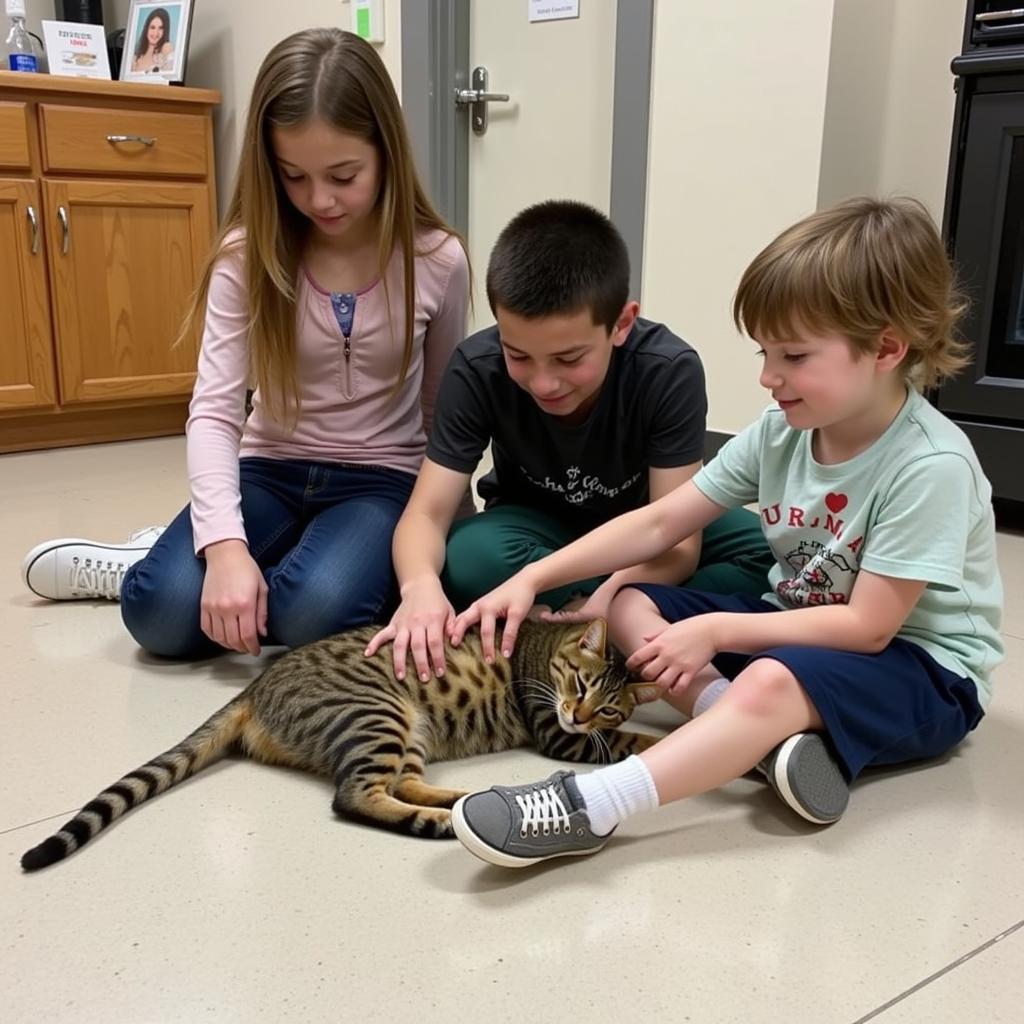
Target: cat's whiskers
(603, 749)
(537, 689)
(543, 692)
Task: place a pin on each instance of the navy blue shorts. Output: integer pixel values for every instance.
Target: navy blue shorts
(888, 708)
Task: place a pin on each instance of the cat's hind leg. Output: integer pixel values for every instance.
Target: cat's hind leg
(411, 787)
(367, 766)
(368, 800)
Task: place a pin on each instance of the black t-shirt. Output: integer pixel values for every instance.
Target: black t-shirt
(651, 411)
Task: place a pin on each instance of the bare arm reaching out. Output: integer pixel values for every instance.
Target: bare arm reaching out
(425, 616)
(629, 539)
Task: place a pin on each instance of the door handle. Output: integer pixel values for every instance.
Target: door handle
(34, 222)
(62, 216)
(471, 96)
(477, 99)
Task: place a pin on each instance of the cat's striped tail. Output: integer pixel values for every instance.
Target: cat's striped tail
(207, 744)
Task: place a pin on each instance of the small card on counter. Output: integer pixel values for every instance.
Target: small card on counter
(75, 49)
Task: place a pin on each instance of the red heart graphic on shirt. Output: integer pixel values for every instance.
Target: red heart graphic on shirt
(836, 502)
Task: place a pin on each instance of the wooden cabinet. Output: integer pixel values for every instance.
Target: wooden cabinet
(107, 211)
(26, 352)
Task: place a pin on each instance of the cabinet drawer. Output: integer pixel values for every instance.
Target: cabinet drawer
(93, 139)
(13, 136)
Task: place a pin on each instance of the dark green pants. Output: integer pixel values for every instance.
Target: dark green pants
(486, 549)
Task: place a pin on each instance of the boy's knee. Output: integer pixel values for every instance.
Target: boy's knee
(764, 686)
(626, 605)
(629, 609)
(472, 567)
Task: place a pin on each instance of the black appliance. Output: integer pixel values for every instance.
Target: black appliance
(115, 50)
(984, 225)
(88, 12)
(83, 11)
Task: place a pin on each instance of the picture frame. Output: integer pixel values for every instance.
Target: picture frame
(153, 53)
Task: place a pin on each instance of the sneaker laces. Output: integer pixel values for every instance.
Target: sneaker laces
(542, 810)
(97, 579)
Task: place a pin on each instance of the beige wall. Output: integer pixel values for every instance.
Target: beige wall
(35, 11)
(890, 99)
(737, 115)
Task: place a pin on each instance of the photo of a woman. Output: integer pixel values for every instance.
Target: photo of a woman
(154, 51)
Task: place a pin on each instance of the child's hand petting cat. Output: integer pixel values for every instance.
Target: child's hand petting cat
(421, 623)
(674, 656)
(511, 601)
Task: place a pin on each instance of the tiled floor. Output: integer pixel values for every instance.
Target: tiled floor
(239, 897)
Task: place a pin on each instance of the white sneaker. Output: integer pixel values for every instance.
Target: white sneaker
(72, 569)
(147, 535)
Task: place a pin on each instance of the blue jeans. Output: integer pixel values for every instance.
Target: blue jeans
(321, 533)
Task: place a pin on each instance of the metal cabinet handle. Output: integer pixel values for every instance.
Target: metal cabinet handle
(62, 216)
(34, 221)
(146, 140)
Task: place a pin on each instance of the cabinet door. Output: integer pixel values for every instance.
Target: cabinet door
(26, 349)
(125, 259)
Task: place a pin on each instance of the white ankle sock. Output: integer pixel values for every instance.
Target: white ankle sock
(612, 794)
(710, 694)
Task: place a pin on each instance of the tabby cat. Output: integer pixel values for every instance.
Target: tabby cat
(327, 709)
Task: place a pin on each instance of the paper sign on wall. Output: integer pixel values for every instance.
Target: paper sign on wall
(554, 10)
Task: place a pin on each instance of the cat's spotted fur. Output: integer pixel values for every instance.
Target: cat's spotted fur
(325, 708)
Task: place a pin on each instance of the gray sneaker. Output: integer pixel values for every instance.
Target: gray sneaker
(515, 826)
(805, 775)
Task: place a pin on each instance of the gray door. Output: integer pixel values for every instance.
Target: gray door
(575, 124)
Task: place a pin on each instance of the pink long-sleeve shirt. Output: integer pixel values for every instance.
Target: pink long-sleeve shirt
(348, 412)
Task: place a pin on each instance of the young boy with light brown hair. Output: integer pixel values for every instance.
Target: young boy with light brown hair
(877, 641)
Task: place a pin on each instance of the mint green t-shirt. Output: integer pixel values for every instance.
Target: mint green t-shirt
(915, 505)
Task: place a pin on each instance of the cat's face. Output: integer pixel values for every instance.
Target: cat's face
(592, 685)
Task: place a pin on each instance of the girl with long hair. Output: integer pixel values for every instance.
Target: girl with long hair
(338, 290)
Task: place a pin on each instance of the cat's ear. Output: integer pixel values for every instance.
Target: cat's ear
(593, 638)
(644, 693)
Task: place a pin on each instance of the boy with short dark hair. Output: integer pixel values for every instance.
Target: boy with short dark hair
(590, 412)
